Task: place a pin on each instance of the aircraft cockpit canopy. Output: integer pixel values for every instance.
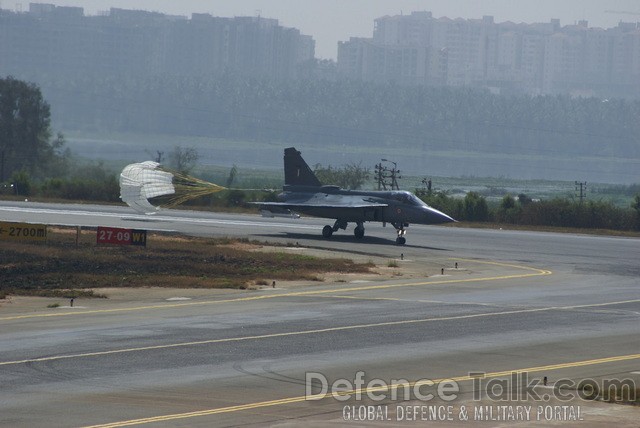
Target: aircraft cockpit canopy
(408, 198)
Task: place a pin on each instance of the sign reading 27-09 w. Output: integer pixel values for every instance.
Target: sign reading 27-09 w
(23, 231)
(117, 236)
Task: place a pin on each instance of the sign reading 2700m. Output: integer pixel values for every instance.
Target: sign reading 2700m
(117, 236)
(23, 231)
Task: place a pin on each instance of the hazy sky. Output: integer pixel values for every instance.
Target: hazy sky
(330, 21)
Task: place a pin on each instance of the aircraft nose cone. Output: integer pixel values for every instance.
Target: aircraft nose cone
(437, 217)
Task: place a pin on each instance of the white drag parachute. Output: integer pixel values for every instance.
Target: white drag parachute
(142, 181)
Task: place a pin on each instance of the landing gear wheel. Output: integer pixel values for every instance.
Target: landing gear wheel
(359, 232)
(327, 231)
(401, 240)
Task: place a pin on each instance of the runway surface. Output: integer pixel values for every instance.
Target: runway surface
(555, 305)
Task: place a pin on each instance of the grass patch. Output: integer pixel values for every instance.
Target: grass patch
(392, 264)
(53, 305)
(60, 269)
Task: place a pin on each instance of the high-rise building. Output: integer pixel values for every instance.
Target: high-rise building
(62, 41)
(542, 58)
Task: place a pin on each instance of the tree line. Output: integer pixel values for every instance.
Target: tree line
(321, 112)
(522, 210)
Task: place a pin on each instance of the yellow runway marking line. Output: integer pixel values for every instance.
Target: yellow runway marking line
(303, 333)
(137, 308)
(300, 399)
(538, 272)
(487, 262)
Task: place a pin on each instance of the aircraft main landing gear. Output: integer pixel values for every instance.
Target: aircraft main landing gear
(327, 231)
(359, 231)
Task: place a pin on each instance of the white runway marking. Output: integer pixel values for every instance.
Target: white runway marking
(157, 218)
(343, 328)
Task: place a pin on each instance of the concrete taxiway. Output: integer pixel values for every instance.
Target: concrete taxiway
(556, 305)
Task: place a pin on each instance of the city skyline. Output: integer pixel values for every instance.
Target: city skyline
(538, 58)
(331, 21)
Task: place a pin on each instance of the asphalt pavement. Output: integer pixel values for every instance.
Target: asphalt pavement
(563, 306)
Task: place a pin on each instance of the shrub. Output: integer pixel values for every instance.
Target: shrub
(475, 207)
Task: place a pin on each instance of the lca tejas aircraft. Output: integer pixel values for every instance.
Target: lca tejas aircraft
(303, 193)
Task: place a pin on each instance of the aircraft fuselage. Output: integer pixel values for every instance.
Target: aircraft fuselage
(396, 207)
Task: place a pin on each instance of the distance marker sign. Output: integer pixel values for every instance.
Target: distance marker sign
(117, 236)
(23, 231)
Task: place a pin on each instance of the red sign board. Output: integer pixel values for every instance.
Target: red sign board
(117, 236)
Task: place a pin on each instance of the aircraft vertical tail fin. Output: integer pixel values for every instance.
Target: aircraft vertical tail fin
(296, 170)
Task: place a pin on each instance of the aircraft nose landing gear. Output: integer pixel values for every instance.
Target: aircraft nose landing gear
(400, 240)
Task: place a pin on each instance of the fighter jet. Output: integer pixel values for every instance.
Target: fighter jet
(303, 193)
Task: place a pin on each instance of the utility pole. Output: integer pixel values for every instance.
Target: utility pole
(582, 185)
(394, 177)
(386, 176)
(379, 177)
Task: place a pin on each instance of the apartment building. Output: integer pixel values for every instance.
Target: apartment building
(54, 40)
(540, 58)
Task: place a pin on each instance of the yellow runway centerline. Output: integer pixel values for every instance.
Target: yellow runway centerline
(300, 399)
(536, 272)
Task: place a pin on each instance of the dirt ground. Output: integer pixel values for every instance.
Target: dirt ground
(61, 265)
(380, 269)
